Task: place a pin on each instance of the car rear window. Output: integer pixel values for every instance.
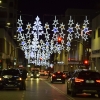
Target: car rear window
(89, 74)
(10, 72)
(58, 73)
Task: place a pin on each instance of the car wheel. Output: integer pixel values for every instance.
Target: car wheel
(92, 94)
(73, 93)
(99, 95)
(63, 82)
(1, 88)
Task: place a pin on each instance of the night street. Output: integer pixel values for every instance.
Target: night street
(41, 88)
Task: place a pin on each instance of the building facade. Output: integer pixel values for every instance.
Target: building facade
(80, 50)
(8, 17)
(95, 43)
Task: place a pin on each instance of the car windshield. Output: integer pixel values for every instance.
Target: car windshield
(10, 72)
(35, 71)
(88, 74)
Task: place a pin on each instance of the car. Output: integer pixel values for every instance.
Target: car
(11, 78)
(84, 81)
(42, 73)
(35, 74)
(58, 77)
(0, 71)
(67, 74)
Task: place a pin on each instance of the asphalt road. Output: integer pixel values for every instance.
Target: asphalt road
(41, 89)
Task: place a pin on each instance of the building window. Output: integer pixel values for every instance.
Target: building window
(1, 45)
(4, 1)
(11, 4)
(93, 34)
(10, 15)
(3, 14)
(15, 24)
(99, 32)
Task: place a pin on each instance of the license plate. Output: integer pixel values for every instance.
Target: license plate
(89, 81)
(58, 79)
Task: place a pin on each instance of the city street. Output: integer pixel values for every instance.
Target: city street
(41, 88)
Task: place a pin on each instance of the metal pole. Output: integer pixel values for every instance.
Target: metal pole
(11, 54)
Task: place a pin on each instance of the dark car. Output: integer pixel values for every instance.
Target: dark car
(11, 78)
(58, 77)
(84, 81)
(0, 71)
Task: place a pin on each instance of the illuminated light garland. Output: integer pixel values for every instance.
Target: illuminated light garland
(28, 34)
(28, 26)
(70, 30)
(55, 28)
(68, 43)
(77, 34)
(20, 29)
(47, 34)
(86, 22)
(85, 30)
(20, 23)
(35, 49)
(37, 28)
(70, 35)
(68, 49)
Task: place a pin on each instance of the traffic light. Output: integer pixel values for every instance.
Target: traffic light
(59, 39)
(86, 63)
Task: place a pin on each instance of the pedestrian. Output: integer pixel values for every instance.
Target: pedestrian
(49, 74)
(24, 76)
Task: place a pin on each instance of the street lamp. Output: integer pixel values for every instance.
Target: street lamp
(0, 1)
(12, 52)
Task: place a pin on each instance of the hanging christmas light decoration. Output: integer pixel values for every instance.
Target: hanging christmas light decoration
(38, 51)
(20, 29)
(77, 34)
(58, 44)
(85, 29)
(70, 35)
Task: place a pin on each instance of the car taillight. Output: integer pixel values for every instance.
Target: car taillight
(98, 81)
(63, 75)
(53, 75)
(79, 80)
(19, 79)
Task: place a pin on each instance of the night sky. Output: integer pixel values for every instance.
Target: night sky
(53, 7)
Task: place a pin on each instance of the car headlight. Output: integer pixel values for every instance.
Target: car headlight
(37, 74)
(19, 78)
(0, 79)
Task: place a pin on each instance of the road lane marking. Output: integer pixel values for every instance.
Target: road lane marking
(22, 98)
(70, 98)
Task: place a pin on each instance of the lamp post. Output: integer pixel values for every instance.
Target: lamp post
(0, 1)
(11, 56)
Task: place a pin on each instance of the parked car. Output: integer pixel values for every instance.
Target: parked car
(0, 71)
(58, 77)
(11, 78)
(84, 80)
